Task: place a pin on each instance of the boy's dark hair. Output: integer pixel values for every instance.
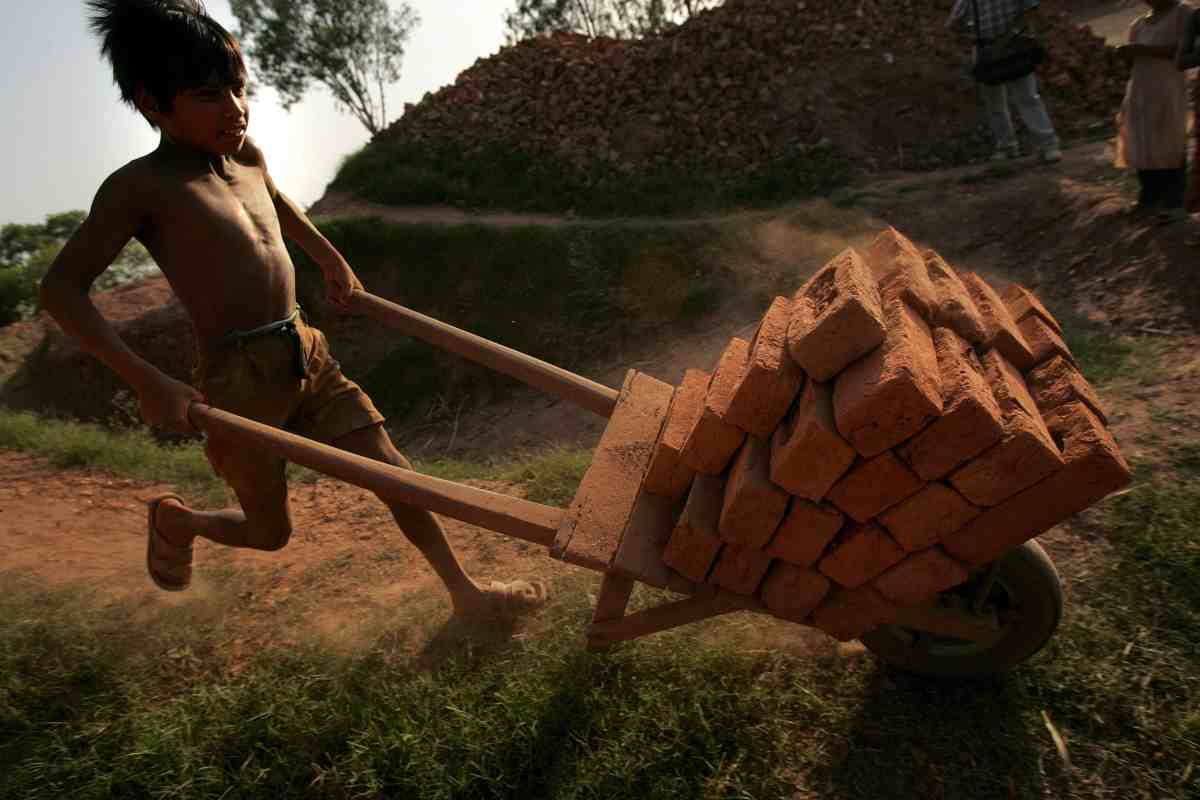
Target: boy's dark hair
(167, 46)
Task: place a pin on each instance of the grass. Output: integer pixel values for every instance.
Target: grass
(506, 179)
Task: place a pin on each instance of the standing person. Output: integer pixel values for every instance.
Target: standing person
(206, 208)
(1152, 123)
(997, 19)
(1187, 58)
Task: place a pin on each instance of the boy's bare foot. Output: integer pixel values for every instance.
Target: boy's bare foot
(498, 599)
(168, 562)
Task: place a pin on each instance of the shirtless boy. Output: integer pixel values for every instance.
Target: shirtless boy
(206, 208)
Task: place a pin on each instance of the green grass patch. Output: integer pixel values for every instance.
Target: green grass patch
(502, 178)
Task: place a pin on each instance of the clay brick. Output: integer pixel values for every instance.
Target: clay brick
(955, 309)
(874, 485)
(927, 516)
(970, 421)
(1058, 382)
(1044, 341)
(1094, 469)
(849, 613)
(900, 272)
(740, 569)
(640, 552)
(891, 394)
(1024, 455)
(859, 554)
(836, 317)
(589, 533)
(753, 505)
(668, 475)
(772, 379)
(808, 455)
(1001, 328)
(793, 592)
(694, 542)
(1023, 304)
(713, 440)
(805, 531)
(919, 577)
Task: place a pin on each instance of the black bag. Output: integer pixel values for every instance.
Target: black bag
(1012, 56)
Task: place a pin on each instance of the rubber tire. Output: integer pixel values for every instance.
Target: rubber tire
(1028, 577)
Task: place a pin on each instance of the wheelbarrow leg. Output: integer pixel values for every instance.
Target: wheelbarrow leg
(610, 605)
(603, 633)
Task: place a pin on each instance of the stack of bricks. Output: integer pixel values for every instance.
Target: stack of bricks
(890, 428)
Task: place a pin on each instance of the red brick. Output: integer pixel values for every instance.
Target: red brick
(713, 440)
(808, 455)
(900, 272)
(668, 475)
(836, 317)
(859, 554)
(805, 531)
(886, 397)
(849, 613)
(740, 569)
(874, 485)
(590, 532)
(955, 309)
(793, 592)
(694, 543)
(1058, 382)
(772, 379)
(753, 506)
(927, 516)
(1023, 304)
(1044, 341)
(1024, 455)
(919, 577)
(1094, 469)
(970, 421)
(1001, 328)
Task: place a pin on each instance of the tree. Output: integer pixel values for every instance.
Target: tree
(353, 47)
(620, 18)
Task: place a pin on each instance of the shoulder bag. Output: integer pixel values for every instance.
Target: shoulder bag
(1014, 55)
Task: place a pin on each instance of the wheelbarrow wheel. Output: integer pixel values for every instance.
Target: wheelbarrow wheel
(1022, 589)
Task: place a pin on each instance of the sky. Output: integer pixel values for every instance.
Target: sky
(63, 128)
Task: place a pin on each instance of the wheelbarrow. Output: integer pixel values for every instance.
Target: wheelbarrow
(999, 617)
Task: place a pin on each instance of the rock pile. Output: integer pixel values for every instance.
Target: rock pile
(889, 428)
(739, 89)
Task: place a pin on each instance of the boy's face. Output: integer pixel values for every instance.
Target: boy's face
(211, 118)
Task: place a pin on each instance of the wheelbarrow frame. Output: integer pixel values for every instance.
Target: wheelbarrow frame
(522, 519)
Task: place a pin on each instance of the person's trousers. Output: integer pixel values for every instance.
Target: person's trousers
(1162, 188)
(1023, 92)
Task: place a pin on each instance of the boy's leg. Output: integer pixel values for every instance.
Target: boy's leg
(264, 521)
(426, 533)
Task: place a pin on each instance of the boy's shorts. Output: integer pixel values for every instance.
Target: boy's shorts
(258, 378)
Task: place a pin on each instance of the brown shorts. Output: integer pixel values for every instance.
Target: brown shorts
(258, 378)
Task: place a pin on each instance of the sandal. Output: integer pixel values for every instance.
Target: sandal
(514, 598)
(169, 565)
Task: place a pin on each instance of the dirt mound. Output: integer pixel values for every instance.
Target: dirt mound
(738, 90)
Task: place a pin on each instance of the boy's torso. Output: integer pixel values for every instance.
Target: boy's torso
(218, 241)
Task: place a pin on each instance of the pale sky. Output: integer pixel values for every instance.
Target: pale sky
(64, 128)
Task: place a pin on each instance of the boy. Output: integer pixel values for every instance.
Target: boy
(206, 208)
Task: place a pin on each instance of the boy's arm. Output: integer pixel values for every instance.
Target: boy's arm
(340, 280)
(112, 222)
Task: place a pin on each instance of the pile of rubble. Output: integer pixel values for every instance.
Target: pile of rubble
(738, 90)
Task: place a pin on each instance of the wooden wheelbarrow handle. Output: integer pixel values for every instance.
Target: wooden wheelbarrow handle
(548, 378)
(513, 516)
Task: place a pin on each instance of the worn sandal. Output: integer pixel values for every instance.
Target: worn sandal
(169, 565)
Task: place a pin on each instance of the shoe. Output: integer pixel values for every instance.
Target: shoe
(1006, 154)
(1051, 156)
